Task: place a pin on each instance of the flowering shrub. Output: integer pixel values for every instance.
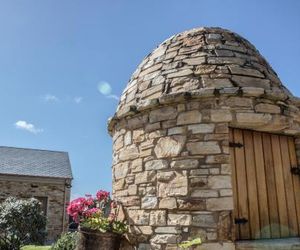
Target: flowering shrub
(22, 222)
(97, 213)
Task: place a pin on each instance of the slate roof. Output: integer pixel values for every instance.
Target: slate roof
(34, 162)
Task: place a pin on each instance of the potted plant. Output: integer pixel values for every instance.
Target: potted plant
(99, 228)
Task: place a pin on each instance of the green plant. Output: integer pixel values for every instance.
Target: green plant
(67, 241)
(21, 223)
(187, 244)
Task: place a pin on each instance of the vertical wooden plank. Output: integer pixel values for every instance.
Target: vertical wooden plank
(241, 185)
(251, 185)
(289, 189)
(261, 186)
(296, 180)
(234, 184)
(280, 189)
(271, 186)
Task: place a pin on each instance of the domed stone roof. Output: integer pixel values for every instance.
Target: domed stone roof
(200, 59)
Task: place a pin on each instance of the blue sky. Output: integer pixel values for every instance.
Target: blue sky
(54, 54)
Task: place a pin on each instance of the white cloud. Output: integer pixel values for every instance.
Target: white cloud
(78, 99)
(28, 127)
(105, 89)
(50, 98)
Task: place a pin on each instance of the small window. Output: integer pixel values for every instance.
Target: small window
(44, 203)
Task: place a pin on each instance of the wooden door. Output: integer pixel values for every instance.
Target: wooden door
(266, 192)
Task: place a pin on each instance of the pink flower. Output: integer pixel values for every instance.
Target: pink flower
(76, 207)
(91, 212)
(102, 195)
(89, 201)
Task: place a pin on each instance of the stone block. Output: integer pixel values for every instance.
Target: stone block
(213, 159)
(204, 193)
(168, 203)
(225, 60)
(252, 91)
(220, 115)
(219, 204)
(137, 165)
(236, 70)
(176, 131)
(226, 192)
(205, 220)
(202, 128)
(204, 69)
(129, 153)
(185, 164)
(239, 102)
(189, 117)
(131, 201)
(121, 170)
(165, 239)
(253, 119)
(119, 143)
(267, 108)
(149, 202)
(195, 61)
(217, 83)
(207, 147)
(158, 218)
(163, 114)
(127, 138)
(156, 164)
(138, 135)
(165, 176)
(245, 81)
(145, 177)
(167, 230)
(138, 217)
(169, 146)
(179, 219)
(178, 186)
(184, 72)
(191, 204)
(219, 181)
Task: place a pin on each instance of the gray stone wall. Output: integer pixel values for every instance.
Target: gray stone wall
(55, 190)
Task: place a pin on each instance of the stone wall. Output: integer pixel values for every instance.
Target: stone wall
(171, 166)
(54, 189)
(171, 161)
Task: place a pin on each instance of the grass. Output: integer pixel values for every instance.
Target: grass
(36, 247)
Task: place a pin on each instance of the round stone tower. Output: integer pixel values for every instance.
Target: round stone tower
(172, 160)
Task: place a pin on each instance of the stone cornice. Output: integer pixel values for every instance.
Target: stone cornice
(179, 97)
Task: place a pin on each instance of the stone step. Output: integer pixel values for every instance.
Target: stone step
(274, 244)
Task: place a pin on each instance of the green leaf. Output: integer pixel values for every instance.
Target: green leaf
(187, 244)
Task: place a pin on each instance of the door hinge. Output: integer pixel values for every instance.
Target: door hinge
(235, 145)
(295, 170)
(240, 221)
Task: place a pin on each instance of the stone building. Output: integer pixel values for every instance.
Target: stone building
(205, 144)
(45, 175)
